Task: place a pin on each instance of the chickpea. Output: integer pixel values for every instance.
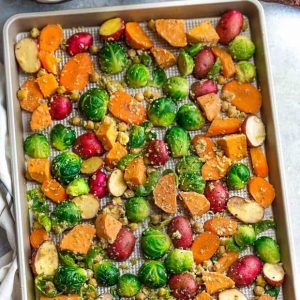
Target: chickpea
(94, 49)
(258, 290)
(34, 32)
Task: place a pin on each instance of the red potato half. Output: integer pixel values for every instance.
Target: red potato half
(204, 61)
(88, 205)
(45, 259)
(232, 294)
(158, 153)
(273, 274)
(255, 131)
(112, 29)
(79, 43)
(116, 183)
(60, 107)
(216, 193)
(203, 87)
(98, 184)
(181, 233)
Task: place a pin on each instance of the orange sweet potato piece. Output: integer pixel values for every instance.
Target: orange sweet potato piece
(164, 193)
(75, 73)
(205, 245)
(163, 57)
(47, 84)
(107, 227)
(225, 261)
(224, 126)
(172, 30)
(211, 105)
(204, 147)
(115, 154)
(39, 169)
(54, 190)
(37, 237)
(136, 37)
(234, 146)
(79, 239)
(40, 118)
(204, 33)
(216, 282)
(126, 108)
(107, 133)
(51, 37)
(135, 172)
(266, 297)
(215, 168)
(262, 191)
(32, 95)
(204, 296)
(62, 297)
(259, 162)
(196, 204)
(49, 62)
(245, 96)
(221, 226)
(228, 67)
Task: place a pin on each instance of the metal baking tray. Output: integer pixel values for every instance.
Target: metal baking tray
(193, 11)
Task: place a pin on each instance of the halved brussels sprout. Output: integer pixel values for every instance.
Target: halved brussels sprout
(146, 189)
(136, 136)
(137, 75)
(107, 273)
(245, 71)
(245, 236)
(137, 209)
(88, 292)
(179, 261)
(62, 137)
(192, 183)
(176, 87)
(128, 285)
(36, 145)
(237, 176)
(189, 117)
(145, 59)
(77, 187)
(94, 256)
(189, 164)
(159, 77)
(153, 274)
(267, 249)
(185, 63)
(241, 48)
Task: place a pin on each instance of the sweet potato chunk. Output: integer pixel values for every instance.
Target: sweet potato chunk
(62, 297)
(215, 168)
(115, 154)
(172, 30)
(40, 118)
(204, 296)
(48, 84)
(234, 146)
(259, 162)
(135, 172)
(225, 261)
(196, 204)
(204, 33)
(228, 67)
(204, 147)
(224, 126)
(107, 227)
(107, 133)
(216, 282)
(78, 239)
(163, 57)
(49, 62)
(211, 105)
(164, 193)
(136, 37)
(39, 169)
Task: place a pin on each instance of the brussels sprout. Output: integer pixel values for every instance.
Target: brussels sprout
(192, 183)
(69, 279)
(94, 256)
(45, 285)
(153, 274)
(107, 273)
(190, 164)
(241, 48)
(88, 292)
(149, 134)
(65, 215)
(267, 249)
(136, 137)
(145, 59)
(178, 141)
(193, 49)
(176, 87)
(264, 225)
(67, 259)
(128, 285)
(159, 78)
(237, 176)
(245, 235)
(272, 291)
(93, 104)
(36, 145)
(162, 112)
(215, 70)
(179, 261)
(185, 63)
(245, 71)
(146, 189)
(112, 58)
(77, 187)
(155, 243)
(231, 245)
(66, 167)
(62, 137)
(137, 209)
(137, 75)
(125, 160)
(189, 117)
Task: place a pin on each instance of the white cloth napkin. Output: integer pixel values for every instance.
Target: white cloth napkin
(9, 282)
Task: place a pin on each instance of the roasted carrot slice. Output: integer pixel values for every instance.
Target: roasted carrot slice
(204, 147)
(205, 246)
(221, 226)
(75, 73)
(266, 297)
(40, 118)
(228, 67)
(126, 108)
(136, 37)
(51, 37)
(225, 261)
(62, 297)
(37, 237)
(49, 62)
(54, 190)
(216, 282)
(224, 126)
(262, 191)
(259, 162)
(215, 168)
(245, 96)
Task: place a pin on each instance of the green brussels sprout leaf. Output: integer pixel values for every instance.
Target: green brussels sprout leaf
(45, 285)
(273, 291)
(125, 160)
(192, 183)
(245, 71)
(193, 49)
(189, 164)
(264, 225)
(94, 256)
(214, 72)
(88, 292)
(146, 189)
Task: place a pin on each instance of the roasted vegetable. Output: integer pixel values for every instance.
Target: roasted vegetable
(192, 183)
(112, 29)
(245, 236)
(193, 49)
(202, 87)
(137, 75)
(185, 63)
(273, 273)
(36, 145)
(98, 184)
(153, 274)
(159, 78)
(137, 209)
(78, 43)
(128, 285)
(158, 153)
(136, 136)
(264, 225)
(241, 48)
(267, 249)
(204, 61)
(60, 107)
(88, 292)
(215, 70)
(189, 117)
(77, 187)
(106, 273)
(176, 87)
(237, 176)
(255, 131)
(180, 231)
(94, 256)
(216, 193)
(189, 164)
(245, 71)
(179, 261)
(146, 189)
(45, 285)
(116, 183)
(125, 160)
(62, 137)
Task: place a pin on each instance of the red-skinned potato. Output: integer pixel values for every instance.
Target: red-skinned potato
(183, 286)
(123, 245)
(203, 87)
(216, 193)
(112, 29)
(45, 259)
(98, 184)
(181, 233)
(245, 270)
(87, 145)
(116, 183)
(273, 274)
(204, 61)
(158, 153)
(229, 26)
(232, 294)
(60, 107)
(78, 43)
(255, 131)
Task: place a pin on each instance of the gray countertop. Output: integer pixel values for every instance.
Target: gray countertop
(283, 24)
